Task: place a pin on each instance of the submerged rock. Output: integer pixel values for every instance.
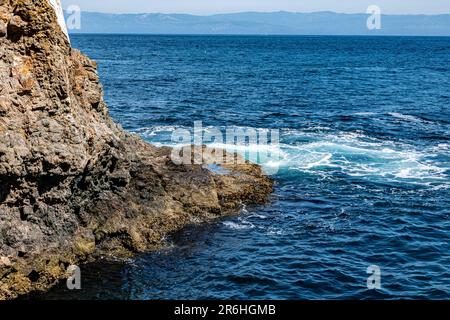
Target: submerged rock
(74, 186)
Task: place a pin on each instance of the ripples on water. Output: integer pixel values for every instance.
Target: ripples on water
(364, 168)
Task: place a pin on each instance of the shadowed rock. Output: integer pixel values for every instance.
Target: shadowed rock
(73, 185)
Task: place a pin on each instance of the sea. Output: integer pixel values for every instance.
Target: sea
(361, 206)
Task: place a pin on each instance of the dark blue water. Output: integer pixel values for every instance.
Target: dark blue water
(364, 175)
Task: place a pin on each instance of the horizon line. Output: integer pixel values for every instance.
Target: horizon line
(262, 12)
(256, 35)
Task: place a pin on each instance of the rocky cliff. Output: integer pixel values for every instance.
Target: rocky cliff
(73, 185)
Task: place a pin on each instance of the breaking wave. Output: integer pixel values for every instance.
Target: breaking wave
(327, 154)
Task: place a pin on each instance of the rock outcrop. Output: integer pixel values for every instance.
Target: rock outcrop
(73, 185)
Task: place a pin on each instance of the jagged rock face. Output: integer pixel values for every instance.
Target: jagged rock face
(73, 184)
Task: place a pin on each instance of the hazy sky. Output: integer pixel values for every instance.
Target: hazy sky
(224, 6)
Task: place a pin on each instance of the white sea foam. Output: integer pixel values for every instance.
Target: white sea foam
(405, 117)
(324, 154)
(364, 160)
(149, 132)
(365, 114)
(271, 231)
(238, 226)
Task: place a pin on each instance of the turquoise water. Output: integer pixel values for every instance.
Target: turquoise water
(363, 177)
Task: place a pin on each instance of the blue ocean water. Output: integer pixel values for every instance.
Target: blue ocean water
(364, 171)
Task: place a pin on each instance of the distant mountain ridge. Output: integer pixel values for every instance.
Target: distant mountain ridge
(272, 23)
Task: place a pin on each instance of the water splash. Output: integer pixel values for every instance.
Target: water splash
(328, 153)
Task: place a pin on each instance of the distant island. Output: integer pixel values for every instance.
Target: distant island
(257, 23)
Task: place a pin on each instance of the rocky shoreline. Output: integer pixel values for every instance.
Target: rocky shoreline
(74, 186)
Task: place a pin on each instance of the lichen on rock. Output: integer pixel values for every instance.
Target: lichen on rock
(74, 186)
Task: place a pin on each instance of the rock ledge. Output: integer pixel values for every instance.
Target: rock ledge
(73, 185)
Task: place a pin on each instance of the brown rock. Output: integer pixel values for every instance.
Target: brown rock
(73, 185)
(3, 28)
(5, 16)
(5, 105)
(22, 71)
(16, 25)
(5, 262)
